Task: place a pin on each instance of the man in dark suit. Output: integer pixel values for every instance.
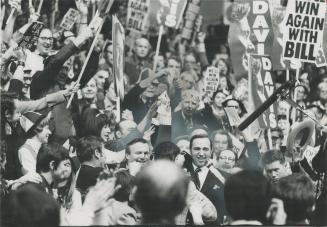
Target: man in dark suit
(207, 179)
(188, 117)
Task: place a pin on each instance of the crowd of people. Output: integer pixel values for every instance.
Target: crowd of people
(166, 152)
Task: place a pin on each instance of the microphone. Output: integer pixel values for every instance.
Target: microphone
(273, 98)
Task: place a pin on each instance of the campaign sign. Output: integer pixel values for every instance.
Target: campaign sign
(137, 15)
(304, 27)
(69, 19)
(31, 35)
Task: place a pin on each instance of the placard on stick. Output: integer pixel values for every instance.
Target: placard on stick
(69, 19)
(211, 79)
(31, 35)
(304, 26)
(137, 15)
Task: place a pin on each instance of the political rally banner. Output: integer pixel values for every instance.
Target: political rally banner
(166, 12)
(31, 35)
(238, 146)
(250, 32)
(277, 12)
(304, 26)
(321, 59)
(69, 19)
(232, 115)
(118, 39)
(137, 15)
(211, 79)
(262, 87)
(190, 17)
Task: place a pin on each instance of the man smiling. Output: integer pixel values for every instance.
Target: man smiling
(208, 180)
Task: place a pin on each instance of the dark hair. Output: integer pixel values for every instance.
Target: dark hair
(279, 131)
(225, 133)
(48, 153)
(241, 105)
(86, 146)
(175, 58)
(3, 150)
(216, 92)
(166, 150)
(92, 122)
(127, 182)
(134, 141)
(247, 196)
(201, 136)
(298, 195)
(272, 156)
(7, 105)
(29, 206)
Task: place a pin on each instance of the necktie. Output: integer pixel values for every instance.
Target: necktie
(196, 178)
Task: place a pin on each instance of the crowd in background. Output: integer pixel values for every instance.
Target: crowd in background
(108, 161)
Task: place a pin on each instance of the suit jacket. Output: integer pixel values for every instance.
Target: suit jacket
(179, 127)
(213, 189)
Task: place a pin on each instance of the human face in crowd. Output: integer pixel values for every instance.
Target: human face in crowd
(275, 170)
(142, 47)
(223, 83)
(187, 80)
(111, 93)
(43, 136)
(27, 79)
(160, 62)
(226, 160)
(189, 105)
(174, 65)
(283, 108)
(190, 61)
(235, 104)
(323, 93)
(300, 93)
(63, 171)
(110, 56)
(284, 125)
(90, 90)
(219, 99)
(100, 77)
(45, 41)
(276, 140)
(201, 151)
(150, 91)
(184, 146)
(222, 66)
(220, 142)
(105, 133)
(138, 152)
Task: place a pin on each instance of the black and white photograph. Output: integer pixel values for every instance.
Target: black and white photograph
(163, 113)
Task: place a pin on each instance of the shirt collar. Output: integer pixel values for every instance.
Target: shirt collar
(34, 143)
(246, 222)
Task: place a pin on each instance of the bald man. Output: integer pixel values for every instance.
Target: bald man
(161, 195)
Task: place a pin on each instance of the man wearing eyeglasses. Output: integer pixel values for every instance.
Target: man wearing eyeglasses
(34, 60)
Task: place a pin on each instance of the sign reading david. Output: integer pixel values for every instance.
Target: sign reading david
(304, 26)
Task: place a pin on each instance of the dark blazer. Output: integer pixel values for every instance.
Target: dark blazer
(179, 127)
(213, 189)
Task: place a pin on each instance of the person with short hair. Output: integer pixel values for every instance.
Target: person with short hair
(161, 195)
(298, 194)
(189, 116)
(274, 165)
(247, 198)
(30, 206)
(89, 153)
(207, 179)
